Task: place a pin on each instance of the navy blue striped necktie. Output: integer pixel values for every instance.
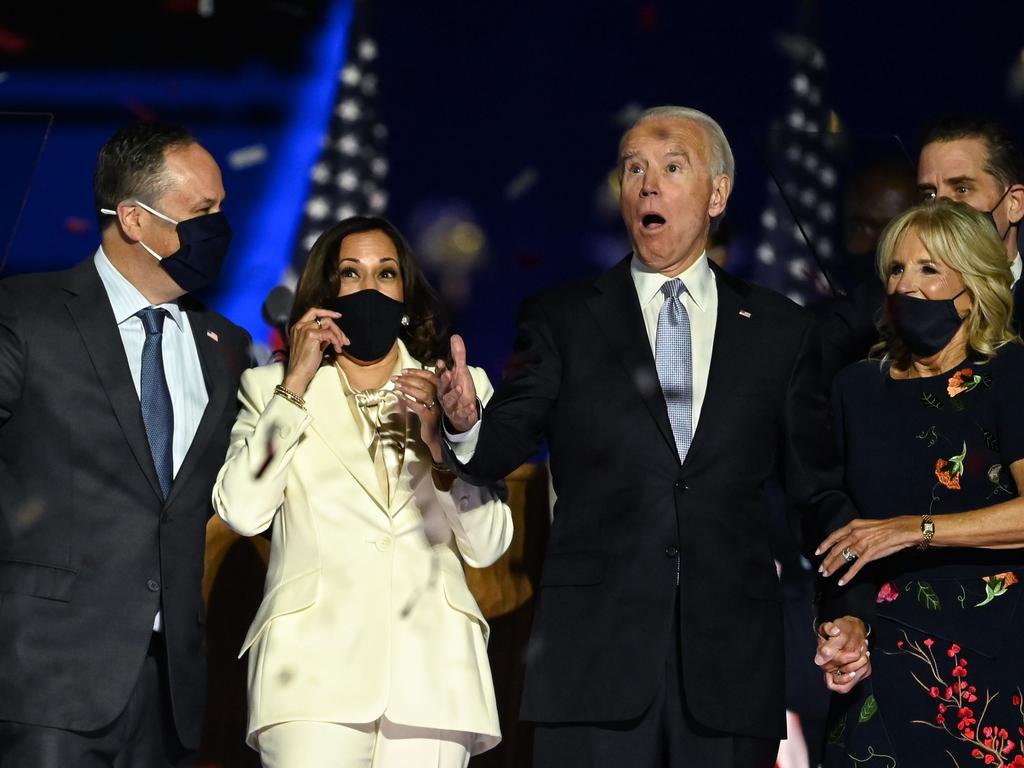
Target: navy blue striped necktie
(157, 412)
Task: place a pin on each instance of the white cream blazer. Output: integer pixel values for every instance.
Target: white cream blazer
(361, 616)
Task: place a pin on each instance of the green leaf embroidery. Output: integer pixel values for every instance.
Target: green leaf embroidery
(926, 596)
(957, 462)
(993, 589)
(930, 400)
(868, 710)
(835, 733)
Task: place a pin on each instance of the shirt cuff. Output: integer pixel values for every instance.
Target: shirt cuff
(463, 444)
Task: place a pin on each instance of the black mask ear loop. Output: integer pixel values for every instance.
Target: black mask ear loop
(992, 216)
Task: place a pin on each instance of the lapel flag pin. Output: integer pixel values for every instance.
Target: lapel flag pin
(215, 337)
(744, 313)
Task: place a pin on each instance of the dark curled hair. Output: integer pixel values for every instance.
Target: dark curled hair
(424, 335)
(1003, 158)
(130, 165)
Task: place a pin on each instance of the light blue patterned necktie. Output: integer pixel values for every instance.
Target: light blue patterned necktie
(674, 359)
(157, 411)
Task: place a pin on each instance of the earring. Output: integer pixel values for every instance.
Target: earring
(405, 319)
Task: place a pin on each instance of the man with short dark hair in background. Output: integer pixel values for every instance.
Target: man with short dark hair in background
(978, 162)
(117, 394)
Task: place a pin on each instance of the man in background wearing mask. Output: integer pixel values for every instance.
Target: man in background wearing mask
(977, 162)
(117, 394)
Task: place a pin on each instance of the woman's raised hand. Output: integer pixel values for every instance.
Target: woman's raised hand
(419, 393)
(309, 338)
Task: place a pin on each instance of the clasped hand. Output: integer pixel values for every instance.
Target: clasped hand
(843, 653)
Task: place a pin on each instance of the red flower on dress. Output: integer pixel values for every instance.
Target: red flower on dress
(887, 593)
(948, 471)
(962, 381)
(1009, 578)
(947, 474)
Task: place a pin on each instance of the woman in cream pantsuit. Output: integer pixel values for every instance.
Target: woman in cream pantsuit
(368, 648)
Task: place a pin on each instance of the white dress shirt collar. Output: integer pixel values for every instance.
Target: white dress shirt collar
(125, 299)
(698, 279)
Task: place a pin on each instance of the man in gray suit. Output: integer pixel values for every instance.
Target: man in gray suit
(117, 394)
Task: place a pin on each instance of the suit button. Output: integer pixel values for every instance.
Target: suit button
(153, 585)
(384, 543)
(681, 486)
(671, 552)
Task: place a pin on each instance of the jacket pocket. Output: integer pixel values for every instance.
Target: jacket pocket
(458, 596)
(290, 596)
(50, 582)
(573, 569)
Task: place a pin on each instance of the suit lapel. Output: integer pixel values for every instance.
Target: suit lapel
(413, 469)
(334, 423)
(731, 332)
(616, 311)
(90, 310)
(216, 377)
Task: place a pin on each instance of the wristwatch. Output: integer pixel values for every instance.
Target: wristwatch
(927, 531)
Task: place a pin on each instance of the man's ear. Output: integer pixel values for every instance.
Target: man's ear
(128, 217)
(721, 186)
(1015, 204)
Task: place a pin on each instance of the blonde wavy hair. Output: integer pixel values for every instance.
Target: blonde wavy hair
(962, 238)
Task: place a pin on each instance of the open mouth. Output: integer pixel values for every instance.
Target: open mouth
(652, 221)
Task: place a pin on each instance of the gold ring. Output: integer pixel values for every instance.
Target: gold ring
(317, 321)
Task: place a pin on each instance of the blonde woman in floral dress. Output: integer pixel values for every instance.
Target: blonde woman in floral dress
(933, 440)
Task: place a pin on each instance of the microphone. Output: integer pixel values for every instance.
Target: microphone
(277, 309)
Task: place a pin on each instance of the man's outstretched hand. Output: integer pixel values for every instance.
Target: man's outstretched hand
(456, 391)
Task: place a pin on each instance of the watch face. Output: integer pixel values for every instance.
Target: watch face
(928, 529)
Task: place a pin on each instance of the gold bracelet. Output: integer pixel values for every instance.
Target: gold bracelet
(290, 396)
(442, 468)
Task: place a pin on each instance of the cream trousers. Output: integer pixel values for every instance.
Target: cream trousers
(383, 744)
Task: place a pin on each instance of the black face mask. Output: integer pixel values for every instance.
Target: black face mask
(371, 321)
(204, 245)
(925, 326)
(1002, 235)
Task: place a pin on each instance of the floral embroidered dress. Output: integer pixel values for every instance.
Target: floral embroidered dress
(948, 639)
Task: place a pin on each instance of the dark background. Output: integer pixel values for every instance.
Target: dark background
(502, 115)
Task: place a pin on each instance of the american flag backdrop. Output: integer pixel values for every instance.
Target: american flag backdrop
(799, 223)
(349, 176)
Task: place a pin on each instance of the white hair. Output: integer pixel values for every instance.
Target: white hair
(721, 161)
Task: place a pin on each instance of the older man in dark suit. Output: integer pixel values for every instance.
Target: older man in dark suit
(668, 392)
(117, 394)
